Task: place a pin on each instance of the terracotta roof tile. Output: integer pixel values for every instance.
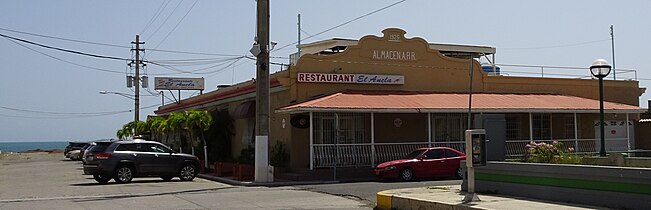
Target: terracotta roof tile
(428, 101)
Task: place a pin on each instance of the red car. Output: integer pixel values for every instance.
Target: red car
(423, 162)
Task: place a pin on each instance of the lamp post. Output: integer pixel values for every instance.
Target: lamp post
(129, 96)
(600, 69)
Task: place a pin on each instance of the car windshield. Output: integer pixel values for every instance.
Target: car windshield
(414, 154)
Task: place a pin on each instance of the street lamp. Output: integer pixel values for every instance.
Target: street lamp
(129, 96)
(600, 69)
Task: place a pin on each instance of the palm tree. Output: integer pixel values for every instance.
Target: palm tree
(153, 125)
(176, 124)
(197, 122)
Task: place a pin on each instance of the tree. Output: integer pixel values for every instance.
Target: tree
(154, 125)
(176, 125)
(197, 122)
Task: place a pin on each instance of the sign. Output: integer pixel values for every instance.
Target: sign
(172, 83)
(351, 78)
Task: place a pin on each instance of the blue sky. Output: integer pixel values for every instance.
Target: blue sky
(49, 99)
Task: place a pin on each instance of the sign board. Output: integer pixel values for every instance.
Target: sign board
(173, 83)
(351, 78)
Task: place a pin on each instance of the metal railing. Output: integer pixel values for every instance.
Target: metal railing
(518, 148)
(559, 71)
(355, 155)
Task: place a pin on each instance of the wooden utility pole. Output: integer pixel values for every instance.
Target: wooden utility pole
(136, 80)
(262, 94)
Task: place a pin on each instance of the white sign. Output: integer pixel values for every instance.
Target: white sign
(352, 78)
(172, 83)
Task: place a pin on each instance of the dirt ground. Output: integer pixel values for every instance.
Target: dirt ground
(8, 157)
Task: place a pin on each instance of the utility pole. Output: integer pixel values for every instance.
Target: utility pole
(136, 80)
(612, 41)
(262, 94)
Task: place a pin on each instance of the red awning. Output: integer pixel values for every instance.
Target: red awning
(415, 102)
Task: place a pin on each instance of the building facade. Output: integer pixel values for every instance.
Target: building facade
(357, 103)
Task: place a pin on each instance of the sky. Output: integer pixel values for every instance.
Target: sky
(51, 95)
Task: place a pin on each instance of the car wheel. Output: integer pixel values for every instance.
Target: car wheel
(407, 174)
(166, 178)
(102, 179)
(459, 174)
(123, 174)
(188, 172)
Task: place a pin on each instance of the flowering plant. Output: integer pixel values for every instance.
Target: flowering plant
(549, 153)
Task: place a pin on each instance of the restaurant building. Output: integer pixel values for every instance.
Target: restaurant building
(357, 103)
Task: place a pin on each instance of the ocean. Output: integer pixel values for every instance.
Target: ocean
(24, 146)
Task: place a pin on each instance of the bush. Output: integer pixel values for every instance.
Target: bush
(550, 153)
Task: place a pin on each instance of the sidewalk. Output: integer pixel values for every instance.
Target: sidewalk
(275, 183)
(450, 197)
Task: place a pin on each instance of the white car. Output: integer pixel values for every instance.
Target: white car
(73, 154)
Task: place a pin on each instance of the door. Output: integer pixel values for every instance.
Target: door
(433, 163)
(166, 162)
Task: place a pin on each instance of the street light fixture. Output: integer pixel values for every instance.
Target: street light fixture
(129, 96)
(600, 69)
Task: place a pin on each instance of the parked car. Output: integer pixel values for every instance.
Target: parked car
(73, 154)
(73, 146)
(124, 160)
(423, 162)
(101, 146)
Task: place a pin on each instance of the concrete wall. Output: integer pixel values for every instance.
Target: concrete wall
(613, 187)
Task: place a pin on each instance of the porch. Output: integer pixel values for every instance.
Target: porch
(350, 139)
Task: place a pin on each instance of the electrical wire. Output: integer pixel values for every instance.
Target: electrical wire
(161, 7)
(65, 61)
(554, 46)
(342, 24)
(64, 50)
(177, 24)
(64, 39)
(166, 19)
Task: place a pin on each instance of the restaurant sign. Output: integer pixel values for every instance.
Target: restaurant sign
(173, 83)
(351, 78)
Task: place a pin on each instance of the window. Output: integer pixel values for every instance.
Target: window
(127, 147)
(158, 148)
(435, 154)
(513, 127)
(346, 128)
(451, 154)
(569, 127)
(449, 127)
(541, 125)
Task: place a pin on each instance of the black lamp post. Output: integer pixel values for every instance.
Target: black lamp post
(600, 69)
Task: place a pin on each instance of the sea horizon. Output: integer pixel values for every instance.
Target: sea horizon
(33, 145)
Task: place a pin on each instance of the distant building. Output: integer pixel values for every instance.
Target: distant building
(380, 97)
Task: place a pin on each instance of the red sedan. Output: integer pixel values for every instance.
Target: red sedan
(423, 162)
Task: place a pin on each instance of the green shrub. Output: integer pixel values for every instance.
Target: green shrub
(550, 153)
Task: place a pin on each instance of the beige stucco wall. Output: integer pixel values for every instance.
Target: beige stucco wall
(428, 71)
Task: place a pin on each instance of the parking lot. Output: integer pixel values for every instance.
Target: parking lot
(51, 182)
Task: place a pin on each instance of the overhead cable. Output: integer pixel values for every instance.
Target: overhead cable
(345, 23)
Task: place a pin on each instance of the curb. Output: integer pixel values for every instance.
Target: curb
(384, 200)
(261, 184)
(388, 199)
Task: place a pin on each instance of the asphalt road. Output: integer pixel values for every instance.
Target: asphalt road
(56, 183)
(367, 191)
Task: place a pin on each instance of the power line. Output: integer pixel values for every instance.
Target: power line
(345, 23)
(554, 46)
(166, 19)
(64, 39)
(65, 61)
(156, 14)
(64, 50)
(177, 24)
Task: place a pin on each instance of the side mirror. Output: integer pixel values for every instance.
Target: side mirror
(422, 157)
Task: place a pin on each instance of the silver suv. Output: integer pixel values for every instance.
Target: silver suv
(124, 160)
